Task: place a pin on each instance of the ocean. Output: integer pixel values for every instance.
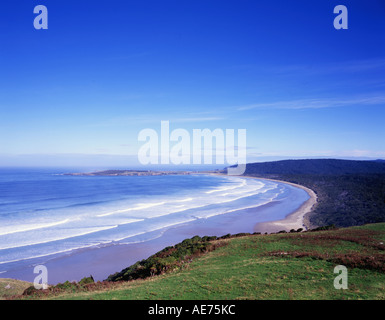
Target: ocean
(45, 214)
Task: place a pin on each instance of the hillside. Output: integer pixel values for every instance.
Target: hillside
(316, 167)
(350, 193)
(11, 287)
(296, 266)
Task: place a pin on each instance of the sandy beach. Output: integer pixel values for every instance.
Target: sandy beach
(295, 220)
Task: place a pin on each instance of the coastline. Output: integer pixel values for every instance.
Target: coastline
(294, 220)
(103, 261)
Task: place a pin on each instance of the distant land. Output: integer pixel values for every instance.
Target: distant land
(350, 192)
(127, 173)
(317, 166)
(306, 166)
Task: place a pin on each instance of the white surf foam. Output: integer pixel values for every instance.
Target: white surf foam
(24, 228)
(27, 242)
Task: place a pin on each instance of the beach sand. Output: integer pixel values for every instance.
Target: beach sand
(295, 220)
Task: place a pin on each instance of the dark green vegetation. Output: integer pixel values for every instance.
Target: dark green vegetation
(317, 167)
(66, 286)
(349, 192)
(297, 265)
(345, 200)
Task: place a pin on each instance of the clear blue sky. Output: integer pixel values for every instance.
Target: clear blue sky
(104, 70)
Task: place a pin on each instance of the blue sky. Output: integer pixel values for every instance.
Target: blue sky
(83, 89)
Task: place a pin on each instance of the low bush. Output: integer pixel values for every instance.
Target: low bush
(169, 259)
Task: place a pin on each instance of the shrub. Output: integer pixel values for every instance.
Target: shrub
(86, 280)
(30, 291)
(166, 260)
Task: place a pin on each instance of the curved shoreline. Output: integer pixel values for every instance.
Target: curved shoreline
(294, 220)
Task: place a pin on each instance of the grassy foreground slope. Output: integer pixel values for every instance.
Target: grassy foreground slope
(275, 266)
(11, 287)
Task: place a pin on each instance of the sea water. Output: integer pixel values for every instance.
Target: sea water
(45, 213)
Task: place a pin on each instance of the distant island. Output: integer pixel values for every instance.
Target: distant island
(128, 173)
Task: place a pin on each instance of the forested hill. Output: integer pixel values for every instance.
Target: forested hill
(350, 192)
(317, 166)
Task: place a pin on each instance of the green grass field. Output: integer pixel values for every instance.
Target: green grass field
(279, 266)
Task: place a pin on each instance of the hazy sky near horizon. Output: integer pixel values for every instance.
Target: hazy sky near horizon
(103, 71)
